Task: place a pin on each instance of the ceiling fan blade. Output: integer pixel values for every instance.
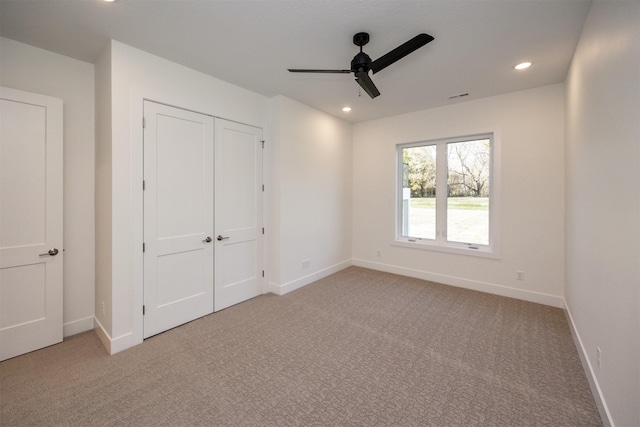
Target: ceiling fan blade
(400, 52)
(304, 70)
(363, 79)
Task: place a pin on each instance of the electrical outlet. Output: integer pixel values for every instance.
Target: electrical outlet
(103, 310)
(598, 356)
(379, 252)
(306, 263)
(520, 275)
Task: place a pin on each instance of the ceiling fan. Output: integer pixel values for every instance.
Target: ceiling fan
(362, 63)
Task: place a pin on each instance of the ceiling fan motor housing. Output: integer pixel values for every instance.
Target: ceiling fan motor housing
(360, 62)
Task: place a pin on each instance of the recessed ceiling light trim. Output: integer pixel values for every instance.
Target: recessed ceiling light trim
(523, 66)
(346, 109)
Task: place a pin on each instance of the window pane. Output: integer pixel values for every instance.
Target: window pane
(419, 192)
(468, 191)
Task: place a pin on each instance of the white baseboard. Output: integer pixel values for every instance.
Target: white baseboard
(102, 334)
(490, 288)
(605, 415)
(303, 281)
(77, 326)
(113, 345)
(121, 343)
(271, 287)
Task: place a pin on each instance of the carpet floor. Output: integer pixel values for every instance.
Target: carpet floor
(358, 348)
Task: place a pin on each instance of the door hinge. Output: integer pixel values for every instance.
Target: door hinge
(262, 187)
(262, 273)
(143, 310)
(262, 143)
(262, 230)
(143, 184)
(144, 123)
(144, 247)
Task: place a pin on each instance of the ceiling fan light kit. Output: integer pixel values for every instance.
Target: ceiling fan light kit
(361, 64)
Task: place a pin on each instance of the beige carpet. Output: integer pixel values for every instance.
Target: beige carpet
(359, 348)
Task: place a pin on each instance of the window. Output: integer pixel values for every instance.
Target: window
(447, 198)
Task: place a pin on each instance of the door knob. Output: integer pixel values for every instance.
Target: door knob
(222, 238)
(207, 240)
(52, 252)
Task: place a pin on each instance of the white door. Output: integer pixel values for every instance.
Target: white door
(30, 222)
(178, 217)
(238, 224)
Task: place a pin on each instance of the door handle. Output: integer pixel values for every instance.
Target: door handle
(207, 240)
(222, 238)
(52, 252)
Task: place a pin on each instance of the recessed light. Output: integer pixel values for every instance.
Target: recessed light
(346, 109)
(523, 65)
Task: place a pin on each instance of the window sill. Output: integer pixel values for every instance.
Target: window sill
(452, 248)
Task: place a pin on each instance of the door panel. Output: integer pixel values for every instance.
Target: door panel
(25, 287)
(30, 222)
(238, 197)
(180, 173)
(185, 268)
(178, 217)
(24, 158)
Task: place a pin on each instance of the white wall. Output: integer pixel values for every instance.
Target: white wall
(530, 127)
(311, 194)
(137, 75)
(35, 70)
(603, 203)
(103, 203)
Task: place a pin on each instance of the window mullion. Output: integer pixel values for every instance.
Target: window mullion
(441, 193)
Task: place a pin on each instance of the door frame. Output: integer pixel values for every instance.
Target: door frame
(138, 97)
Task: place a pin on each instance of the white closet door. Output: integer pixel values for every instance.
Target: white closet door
(31, 257)
(238, 201)
(178, 217)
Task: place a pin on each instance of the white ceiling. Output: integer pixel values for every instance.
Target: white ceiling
(252, 43)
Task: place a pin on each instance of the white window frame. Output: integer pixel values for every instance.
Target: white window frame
(440, 243)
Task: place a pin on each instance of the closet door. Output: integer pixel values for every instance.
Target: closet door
(178, 217)
(238, 200)
(31, 257)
